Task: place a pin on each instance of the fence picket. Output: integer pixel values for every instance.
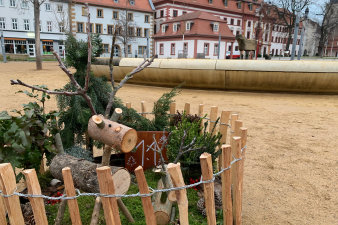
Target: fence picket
(209, 195)
(3, 219)
(238, 125)
(143, 109)
(226, 185)
(181, 195)
(213, 118)
(8, 183)
(106, 184)
(237, 182)
(73, 207)
(223, 127)
(233, 118)
(187, 108)
(146, 201)
(128, 105)
(37, 204)
(200, 110)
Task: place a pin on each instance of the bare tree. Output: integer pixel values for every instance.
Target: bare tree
(329, 23)
(125, 30)
(287, 11)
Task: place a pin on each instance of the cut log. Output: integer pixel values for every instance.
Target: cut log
(162, 210)
(84, 173)
(113, 134)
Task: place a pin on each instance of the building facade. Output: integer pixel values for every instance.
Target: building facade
(17, 23)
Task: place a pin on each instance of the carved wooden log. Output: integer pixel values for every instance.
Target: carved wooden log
(116, 135)
(84, 173)
(162, 210)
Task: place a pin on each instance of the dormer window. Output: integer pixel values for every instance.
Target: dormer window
(215, 27)
(210, 1)
(250, 6)
(188, 25)
(225, 2)
(239, 5)
(132, 2)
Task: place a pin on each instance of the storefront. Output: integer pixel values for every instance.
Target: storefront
(16, 46)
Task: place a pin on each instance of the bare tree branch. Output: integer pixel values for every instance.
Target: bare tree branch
(89, 62)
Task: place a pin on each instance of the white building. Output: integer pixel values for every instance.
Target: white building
(17, 22)
(133, 17)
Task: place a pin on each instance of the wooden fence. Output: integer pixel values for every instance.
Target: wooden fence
(231, 172)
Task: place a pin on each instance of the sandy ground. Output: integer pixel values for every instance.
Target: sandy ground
(291, 170)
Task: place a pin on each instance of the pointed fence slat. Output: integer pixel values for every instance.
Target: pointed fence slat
(209, 195)
(237, 181)
(187, 108)
(143, 109)
(3, 219)
(200, 110)
(37, 204)
(233, 118)
(110, 208)
(213, 118)
(146, 201)
(181, 195)
(223, 126)
(73, 207)
(226, 185)
(128, 105)
(8, 183)
(238, 125)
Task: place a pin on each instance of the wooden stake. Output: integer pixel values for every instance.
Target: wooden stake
(8, 183)
(146, 201)
(3, 219)
(73, 207)
(209, 195)
(200, 110)
(237, 181)
(213, 118)
(37, 204)
(223, 126)
(226, 185)
(128, 105)
(181, 195)
(172, 111)
(187, 108)
(106, 183)
(143, 109)
(233, 118)
(238, 125)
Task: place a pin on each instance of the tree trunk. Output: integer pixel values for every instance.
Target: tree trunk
(287, 47)
(38, 59)
(84, 173)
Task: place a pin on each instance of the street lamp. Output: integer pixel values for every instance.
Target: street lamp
(302, 34)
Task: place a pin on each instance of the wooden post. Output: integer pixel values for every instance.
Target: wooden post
(226, 185)
(181, 195)
(146, 201)
(209, 195)
(3, 219)
(172, 110)
(106, 183)
(8, 183)
(237, 181)
(187, 108)
(200, 110)
(223, 126)
(233, 118)
(73, 207)
(143, 109)
(238, 125)
(128, 105)
(213, 118)
(37, 204)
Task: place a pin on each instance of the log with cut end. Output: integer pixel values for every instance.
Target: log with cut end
(162, 210)
(113, 134)
(84, 173)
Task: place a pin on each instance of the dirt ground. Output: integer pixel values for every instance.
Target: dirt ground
(291, 169)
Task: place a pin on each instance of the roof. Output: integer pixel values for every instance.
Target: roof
(195, 15)
(139, 5)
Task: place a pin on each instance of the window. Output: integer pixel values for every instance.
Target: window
(248, 34)
(12, 3)
(142, 50)
(185, 48)
(162, 13)
(273, 52)
(61, 27)
(80, 27)
(115, 15)
(215, 49)
(84, 11)
(172, 49)
(131, 31)
(1, 2)
(229, 48)
(215, 27)
(187, 25)
(116, 1)
(206, 48)
(99, 13)
(225, 19)
(175, 13)
(239, 5)
(237, 32)
(130, 17)
(146, 32)
(210, 1)
(47, 6)
(164, 28)
(132, 2)
(129, 49)
(175, 27)
(225, 2)
(138, 32)
(249, 23)
(105, 48)
(231, 21)
(238, 22)
(272, 39)
(266, 37)
(161, 49)
(26, 24)
(60, 8)
(14, 24)
(98, 28)
(110, 29)
(146, 18)
(49, 26)
(2, 23)
(118, 30)
(24, 4)
(236, 48)
(250, 6)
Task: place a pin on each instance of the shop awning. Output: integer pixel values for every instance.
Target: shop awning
(47, 40)
(15, 39)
